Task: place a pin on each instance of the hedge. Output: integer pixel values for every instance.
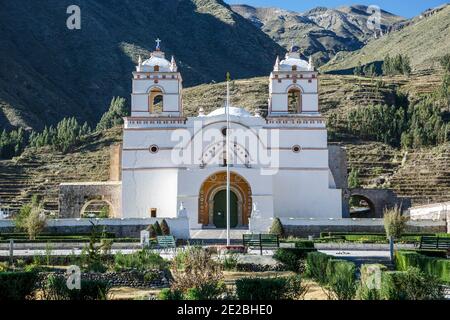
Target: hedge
(341, 278)
(291, 257)
(290, 288)
(439, 268)
(17, 286)
(43, 236)
(411, 284)
(373, 237)
(316, 266)
(301, 244)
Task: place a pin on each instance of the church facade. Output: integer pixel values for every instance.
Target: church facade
(174, 165)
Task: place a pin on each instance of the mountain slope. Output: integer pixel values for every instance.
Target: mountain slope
(48, 72)
(320, 32)
(39, 171)
(424, 40)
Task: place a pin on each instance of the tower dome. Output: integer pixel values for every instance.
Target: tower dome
(157, 62)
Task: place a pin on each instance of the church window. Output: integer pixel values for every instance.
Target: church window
(154, 148)
(153, 212)
(224, 132)
(294, 100)
(294, 68)
(156, 68)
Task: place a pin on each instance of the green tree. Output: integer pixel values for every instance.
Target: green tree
(114, 116)
(277, 228)
(353, 179)
(165, 230)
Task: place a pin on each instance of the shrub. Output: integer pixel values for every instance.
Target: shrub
(394, 222)
(210, 291)
(165, 230)
(143, 260)
(341, 276)
(277, 228)
(353, 179)
(316, 266)
(369, 286)
(31, 219)
(411, 284)
(4, 267)
(260, 288)
(55, 288)
(439, 268)
(152, 231)
(291, 288)
(292, 258)
(230, 261)
(295, 288)
(17, 285)
(157, 228)
(168, 294)
(200, 272)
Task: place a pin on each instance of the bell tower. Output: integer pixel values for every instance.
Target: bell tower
(293, 86)
(157, 87)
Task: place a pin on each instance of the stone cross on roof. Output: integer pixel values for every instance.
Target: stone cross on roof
(158, 44)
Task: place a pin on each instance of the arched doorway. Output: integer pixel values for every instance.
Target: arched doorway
(220, 210)
(212, 201)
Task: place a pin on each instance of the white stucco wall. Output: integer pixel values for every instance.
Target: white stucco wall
(147, 189)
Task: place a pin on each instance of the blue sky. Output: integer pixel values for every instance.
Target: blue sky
(407, 9)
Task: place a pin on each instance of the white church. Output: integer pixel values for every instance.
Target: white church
(174, 165)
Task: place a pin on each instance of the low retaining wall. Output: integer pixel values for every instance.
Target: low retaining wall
(123, 228)
(313, 227)
(132, 279)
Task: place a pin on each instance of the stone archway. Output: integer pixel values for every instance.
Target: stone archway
(97, 204)
(216, 183)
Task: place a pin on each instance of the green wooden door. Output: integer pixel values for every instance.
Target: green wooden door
(220, 210)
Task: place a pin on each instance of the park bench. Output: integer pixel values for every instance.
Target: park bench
(166, 242)
(438, 243)
(261, 241)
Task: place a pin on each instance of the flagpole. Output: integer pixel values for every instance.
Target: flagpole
(228, 159)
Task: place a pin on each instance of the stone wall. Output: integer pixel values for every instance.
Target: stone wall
(378, 199)
(337, 161)
(305, 228)
(73, 196)
(132, 279)
(115, 167)
(123, 228)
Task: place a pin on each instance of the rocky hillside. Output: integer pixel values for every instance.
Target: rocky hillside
(321, 32)
(48, 72)
(423, 175)
(424, 39)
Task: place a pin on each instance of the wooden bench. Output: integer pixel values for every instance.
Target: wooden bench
(166, 242)
(261, 241)
(434, 243)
